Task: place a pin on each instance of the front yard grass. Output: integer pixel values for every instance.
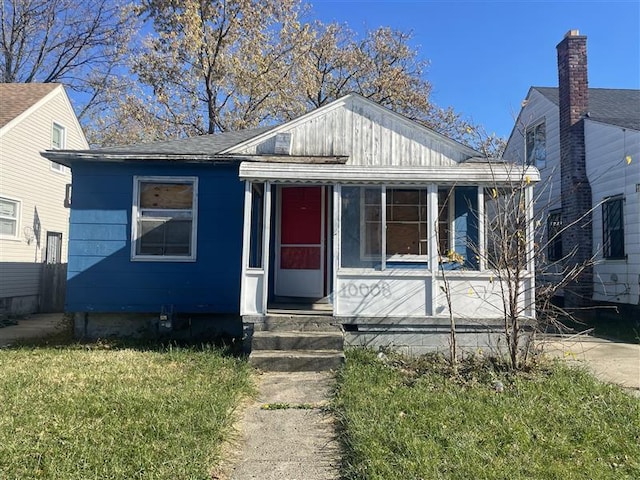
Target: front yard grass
(408, 420)
(81, 412)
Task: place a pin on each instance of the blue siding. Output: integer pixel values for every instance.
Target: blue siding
(466, 224)
(101, 275)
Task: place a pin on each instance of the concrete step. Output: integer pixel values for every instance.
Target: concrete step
(299, 323)
(281, 340)
(296, 360)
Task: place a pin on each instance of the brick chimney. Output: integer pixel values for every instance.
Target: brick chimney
(573, 94)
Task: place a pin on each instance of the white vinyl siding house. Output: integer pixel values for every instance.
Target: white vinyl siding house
(612, 155)
(613, 168)
(36, 184)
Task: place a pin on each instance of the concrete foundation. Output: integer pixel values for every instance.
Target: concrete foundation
(182, 327)
(17, 306)
(421, 336)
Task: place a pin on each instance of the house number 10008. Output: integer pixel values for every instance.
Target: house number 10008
(353, 289)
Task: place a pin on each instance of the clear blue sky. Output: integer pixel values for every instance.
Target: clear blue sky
(484, 55)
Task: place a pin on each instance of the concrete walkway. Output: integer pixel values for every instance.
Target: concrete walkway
(610, 361)
(35, 326)
(288, 443)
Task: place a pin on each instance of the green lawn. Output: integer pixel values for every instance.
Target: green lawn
(91, 412)
(408, 420)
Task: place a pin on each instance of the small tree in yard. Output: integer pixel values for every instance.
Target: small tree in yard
(517, 246)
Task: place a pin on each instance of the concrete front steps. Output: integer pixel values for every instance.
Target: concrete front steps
(297, 343)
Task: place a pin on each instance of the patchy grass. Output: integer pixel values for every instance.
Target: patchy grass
(410, 420)
(79, 412)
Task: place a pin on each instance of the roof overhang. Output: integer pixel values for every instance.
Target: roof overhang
(68, 157)
(460, 174)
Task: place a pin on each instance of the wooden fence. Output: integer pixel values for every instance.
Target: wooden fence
(53, 287)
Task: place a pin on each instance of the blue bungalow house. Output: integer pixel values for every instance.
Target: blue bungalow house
(351, 210)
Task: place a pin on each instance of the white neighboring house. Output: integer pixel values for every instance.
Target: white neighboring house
(612, 158)
(34, 220)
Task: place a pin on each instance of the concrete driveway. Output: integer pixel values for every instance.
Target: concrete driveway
(610, 361)
(35, 326)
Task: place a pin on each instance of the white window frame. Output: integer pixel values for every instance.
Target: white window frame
(56, 167)
(18, 204)
(393, 258)
(135, 217)
(533, 130)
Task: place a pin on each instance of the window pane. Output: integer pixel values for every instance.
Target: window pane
(536, 145)
(613, 228)
(361, 228)
(406, 228)
(554, 237)
(257, 226)
(444, 230)
(57, 137)
(166, 195)
(8, 208)
(7, 227)
(160, 237)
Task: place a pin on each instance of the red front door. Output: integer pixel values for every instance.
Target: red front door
(300, 245)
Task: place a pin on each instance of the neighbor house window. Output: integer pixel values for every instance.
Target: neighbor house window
(58, 142)
(9, 216)
(554, 236)
(613, 228)
(164, 218)
(536, 145)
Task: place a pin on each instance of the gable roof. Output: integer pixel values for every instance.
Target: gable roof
(209, 144)
(17, 98)
(614, 106)
(357, 99)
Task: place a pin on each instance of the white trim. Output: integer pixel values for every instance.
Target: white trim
(266, 245)
(12, 123)
(137, 179)
(481, 233)
(246, 232)
(18, 218)
(337, 242)
(461, 174)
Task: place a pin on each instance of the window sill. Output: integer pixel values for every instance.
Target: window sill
(159, 258)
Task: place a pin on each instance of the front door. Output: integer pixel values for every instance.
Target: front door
(300, 245)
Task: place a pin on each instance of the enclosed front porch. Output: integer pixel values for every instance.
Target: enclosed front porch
(378, 244)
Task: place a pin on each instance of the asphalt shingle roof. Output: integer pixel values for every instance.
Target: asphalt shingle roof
(15, 98)
(201, 145)
(619, 107)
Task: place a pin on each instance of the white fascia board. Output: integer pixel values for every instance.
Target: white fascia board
(12, 123)
(462, 174)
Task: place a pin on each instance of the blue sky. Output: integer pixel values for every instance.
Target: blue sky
(484, 55)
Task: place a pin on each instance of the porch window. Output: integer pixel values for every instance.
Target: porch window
(406, 225)
(257, 225)
(164, 213)
(613, 228)
(505, 228)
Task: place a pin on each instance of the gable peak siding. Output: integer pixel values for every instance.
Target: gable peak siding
(368, 134)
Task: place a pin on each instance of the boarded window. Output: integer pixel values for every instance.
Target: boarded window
(165, 224)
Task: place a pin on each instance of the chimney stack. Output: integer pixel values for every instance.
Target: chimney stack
(573, 96)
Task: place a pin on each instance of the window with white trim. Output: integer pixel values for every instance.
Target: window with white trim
(9, 217)
(536, 145)
(164, 218)
(613, 228)
(58, 142)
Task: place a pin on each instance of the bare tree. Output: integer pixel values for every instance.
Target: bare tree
(80, 44)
